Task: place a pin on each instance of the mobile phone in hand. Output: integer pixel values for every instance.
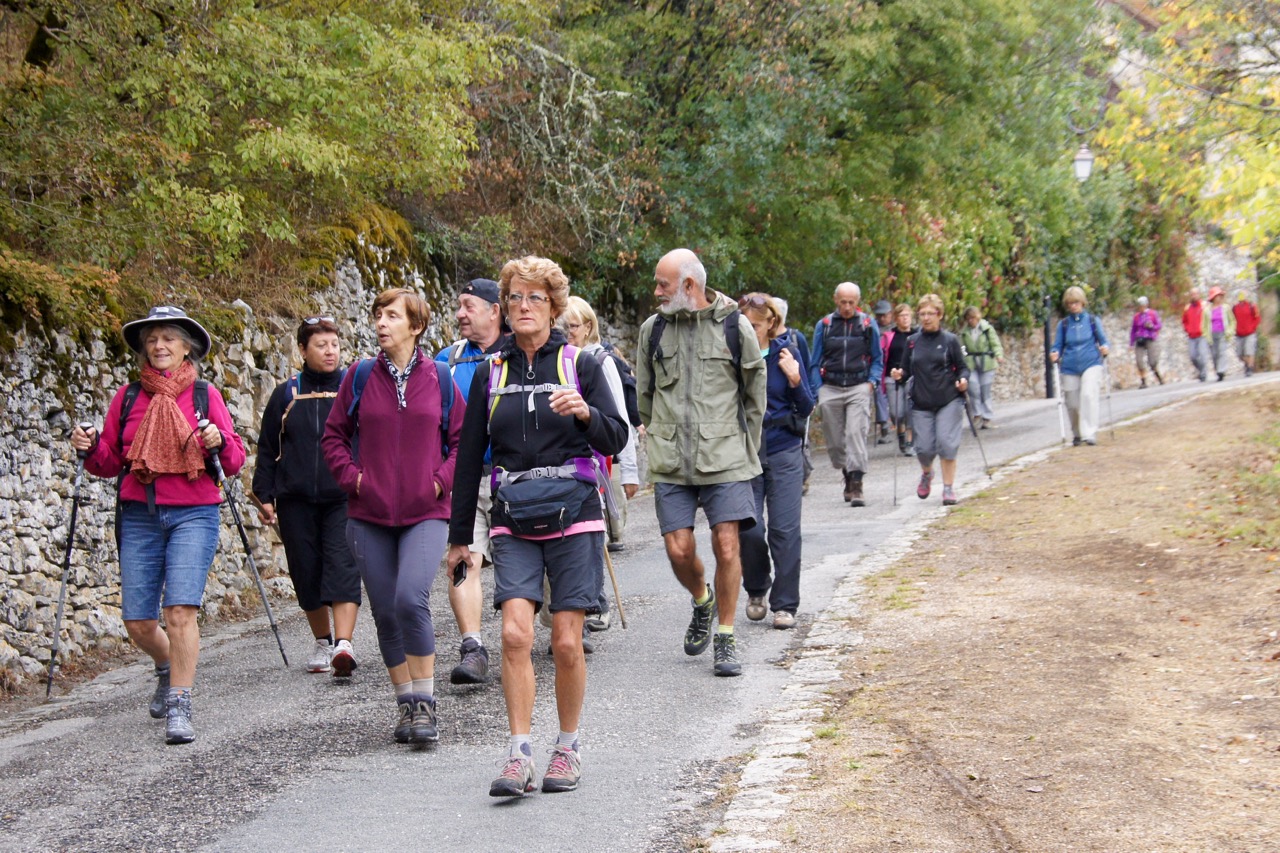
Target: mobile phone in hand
(460, 573)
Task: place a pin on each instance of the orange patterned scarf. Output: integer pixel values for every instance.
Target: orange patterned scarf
(164, 442)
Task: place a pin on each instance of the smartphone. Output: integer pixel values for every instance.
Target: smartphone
(460, 573)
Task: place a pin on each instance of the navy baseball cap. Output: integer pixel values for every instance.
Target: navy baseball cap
(485, 288)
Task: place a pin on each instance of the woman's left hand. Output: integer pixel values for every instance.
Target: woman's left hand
(789, 366)
(962, 385)
(1104, 351)
(212, 437)
(567, 401)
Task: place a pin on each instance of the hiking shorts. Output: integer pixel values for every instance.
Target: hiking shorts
(315, 546)
(677, 504)
(169, 552)
(1247, 345)
(573, 565)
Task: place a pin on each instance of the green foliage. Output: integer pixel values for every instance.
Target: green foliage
(76, 298)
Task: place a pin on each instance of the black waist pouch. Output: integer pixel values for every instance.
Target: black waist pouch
(536, 507)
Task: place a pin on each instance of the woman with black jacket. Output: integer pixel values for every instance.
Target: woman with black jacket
(296, 491)
(938, 381)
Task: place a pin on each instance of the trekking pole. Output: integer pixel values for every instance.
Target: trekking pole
(617, 597)
(1062, 402)
(1111, 415)
(898, 406)
(974, 429)
(66, 565)
(244, 539)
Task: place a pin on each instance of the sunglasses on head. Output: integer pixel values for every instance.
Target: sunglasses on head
(754, 302)
(311, 321)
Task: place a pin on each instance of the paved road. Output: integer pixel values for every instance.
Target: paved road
(287, 760)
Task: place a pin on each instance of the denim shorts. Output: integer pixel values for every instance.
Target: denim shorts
(170, 551)
(677, 504)
(574, 566)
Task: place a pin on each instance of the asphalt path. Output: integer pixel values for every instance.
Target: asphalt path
(288, 760)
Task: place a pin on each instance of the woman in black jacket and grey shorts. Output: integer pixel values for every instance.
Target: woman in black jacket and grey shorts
(297, 492)
(938, 378)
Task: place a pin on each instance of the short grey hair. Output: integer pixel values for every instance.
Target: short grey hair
(692, 268)
(181, 331)
(857, 291)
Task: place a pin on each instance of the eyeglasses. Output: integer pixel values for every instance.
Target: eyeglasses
(535, 300)
(754, 301)
(311, 321)
(572, 327)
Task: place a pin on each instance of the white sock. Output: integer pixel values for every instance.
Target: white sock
(567, 739)
(403, 690)
(424, 686)
(522, 746)
(472, 635)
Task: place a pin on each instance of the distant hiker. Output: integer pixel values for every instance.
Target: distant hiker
(1247, 319)
(894, 347)
(391, 441)
(483, 332)
(167, 516)
(779, 488)
(1193, 320)
(883, 311)
(701, 378)
(1079, 346)
(541, 407)
(798, 338)
(983, 355)
(1142, 340)
(939, 378)
(1219, 326)
(847, 365)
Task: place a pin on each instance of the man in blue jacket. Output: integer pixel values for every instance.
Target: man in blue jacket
(845, 370)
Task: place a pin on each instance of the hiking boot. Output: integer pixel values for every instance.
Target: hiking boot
(515, 780)
(598, 621)
(588, 642)
(160, 699)
(474, 667)
(698, 635)
(405, 704)
(563, 771)
(726, 655)
(1091, 441)
(1221, 376)
(910, 449)
(422, 720)
(343, 660)
(321, 654)
(948, 496)
(1077, 441)
(902, 443)
(615, 547)
(782, 620)
(848, 486)
(855, 496)
(755, 608)
(987, 424)
(883, 439)
(177, 726)
(925, 486)
(1142, 383)
(1158, 378)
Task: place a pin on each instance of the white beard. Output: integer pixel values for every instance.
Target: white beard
(679, 302)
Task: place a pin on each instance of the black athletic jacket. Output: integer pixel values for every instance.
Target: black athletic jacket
(294, 466)
(935, 361)
(524, 439)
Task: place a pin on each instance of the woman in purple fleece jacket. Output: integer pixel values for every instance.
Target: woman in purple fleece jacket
(398, 479)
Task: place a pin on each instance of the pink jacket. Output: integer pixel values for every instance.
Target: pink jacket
(107, 459)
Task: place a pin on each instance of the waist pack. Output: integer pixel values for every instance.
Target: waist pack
(537, 507)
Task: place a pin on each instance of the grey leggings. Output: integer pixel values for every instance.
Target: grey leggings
(398, 565)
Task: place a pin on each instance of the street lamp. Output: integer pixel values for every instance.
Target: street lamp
(1082, 165)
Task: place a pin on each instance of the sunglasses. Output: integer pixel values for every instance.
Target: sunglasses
(312, 321)
(754, 302)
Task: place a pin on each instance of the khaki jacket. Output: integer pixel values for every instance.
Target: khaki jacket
(695, 413)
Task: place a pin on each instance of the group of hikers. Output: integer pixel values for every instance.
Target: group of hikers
(515, 448)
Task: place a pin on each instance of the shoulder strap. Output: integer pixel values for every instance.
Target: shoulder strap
(446, 402)
(200, 398)
(363, 368)
(655, 346)
(131, 392)
(454, 352)
(293, 386)
(496, 380)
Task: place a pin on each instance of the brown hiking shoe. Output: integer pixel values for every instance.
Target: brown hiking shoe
(855, 493)
(848, 486)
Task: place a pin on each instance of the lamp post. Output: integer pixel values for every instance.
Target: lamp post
(1082, 165)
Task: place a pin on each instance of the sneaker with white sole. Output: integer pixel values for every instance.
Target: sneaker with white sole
(726, 656)
(563, 771)
(755, 608)
(925, 486)
(321, 655)
(599, 621)
(948, 496)
(178, 728)
(343, 660)
(516, 778)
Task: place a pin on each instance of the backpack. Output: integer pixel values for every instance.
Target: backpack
(200, 402)
(630, 396)
(292, 389)
(732, 339)
(364, 367)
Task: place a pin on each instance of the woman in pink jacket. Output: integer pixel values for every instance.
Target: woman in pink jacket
(167, 519)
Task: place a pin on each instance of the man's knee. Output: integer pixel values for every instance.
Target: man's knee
(681, 547)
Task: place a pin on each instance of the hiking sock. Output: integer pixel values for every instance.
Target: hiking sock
(424, 686)
(472, 635)
(176, 692)
(162, 669)
(327, 637)
(724, 629)
(706, 596)
(522, 746)
(403, 691)
(569, 739)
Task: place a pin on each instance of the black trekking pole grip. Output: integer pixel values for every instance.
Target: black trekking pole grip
(216, 456)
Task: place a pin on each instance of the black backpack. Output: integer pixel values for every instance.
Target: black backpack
(629, 393)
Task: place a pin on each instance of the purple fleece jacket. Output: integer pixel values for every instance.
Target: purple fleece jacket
(391, 480)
